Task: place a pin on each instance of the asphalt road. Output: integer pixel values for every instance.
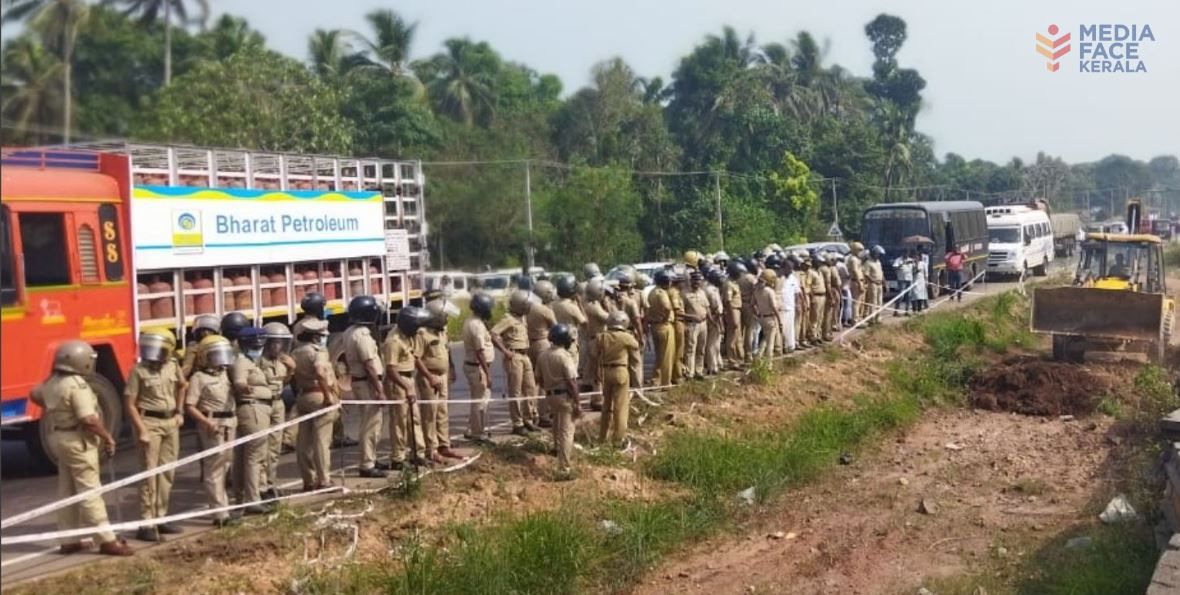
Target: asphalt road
(22, 489)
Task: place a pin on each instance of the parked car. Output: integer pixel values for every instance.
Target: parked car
(840, 247)
(457, 281)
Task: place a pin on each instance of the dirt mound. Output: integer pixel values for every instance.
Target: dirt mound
(1038, 387)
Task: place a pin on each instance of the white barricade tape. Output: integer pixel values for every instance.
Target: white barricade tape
(486, 400)
(132, 525)
(102, 489)
(873, 315)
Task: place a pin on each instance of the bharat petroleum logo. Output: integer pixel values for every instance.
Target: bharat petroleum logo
(1053, 47)
(186, 221)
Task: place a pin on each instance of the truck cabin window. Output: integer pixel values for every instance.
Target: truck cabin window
(8, 295)
(43, 247)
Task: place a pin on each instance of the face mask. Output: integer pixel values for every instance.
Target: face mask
(323, 340)
(254, 353)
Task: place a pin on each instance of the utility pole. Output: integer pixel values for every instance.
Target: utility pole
(528, 198)
(835, 206)
(720, 228)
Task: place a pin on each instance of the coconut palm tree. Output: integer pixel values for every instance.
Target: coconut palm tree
(231, 34)
(389, 48)
(31, 86)
(57, 22)
(460, 80)
(329, 52)
(152, 11)
(897, 133)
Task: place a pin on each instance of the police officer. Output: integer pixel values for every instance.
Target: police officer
(696, 334)
(210, 402)
(510, 336)
(278, 367)
(832, 309)
(154, 397)
(203, 326)
(659, 320)
(766, 308)
(71, 410)
(876, 283)
(746, 282)
(435, 373)
(314, 306)
(856, 279)
(400, 354)
(559, 377)
(731, 300)
(538, 321)
(679, 326)
(478, 353)
(363, 360)
(620, 358)
(715, 325)
(627, 300)
(569, 312)
(315, 381)
(253, 396)
(596, 313)
(818, 285)
(803, 306)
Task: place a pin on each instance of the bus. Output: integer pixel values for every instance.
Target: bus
(948, 224)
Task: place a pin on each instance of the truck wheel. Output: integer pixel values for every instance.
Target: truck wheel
(1058, 348)
(1042, 269)
(110, 410)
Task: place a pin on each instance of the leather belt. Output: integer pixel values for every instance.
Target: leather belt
(158, 414)
(363, 378)
(252, 402)
(466, 363)
(220, 414)
(65, 429)
(405, 374)
(557, 392)
(614, 365)
(524, 351)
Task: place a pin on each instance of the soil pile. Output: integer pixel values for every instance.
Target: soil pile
(1037, 387)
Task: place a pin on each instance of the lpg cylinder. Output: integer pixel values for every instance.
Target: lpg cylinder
(243, 298)
(145, 305)
(278, 295)
(189, 301)
(205, 302)
(329, 285)
(375, 280)
(162, 307)
(356, 284)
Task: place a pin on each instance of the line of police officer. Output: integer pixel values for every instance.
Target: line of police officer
(563, 336)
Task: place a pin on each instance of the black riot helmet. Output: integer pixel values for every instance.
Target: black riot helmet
(774, 261)
(525, 282)
(567, 286)
(736, 269)
(715, 276)
(663, 278)
(559, 334)
(232, 324)
(363, 309)
(482, 305)
(410, 319)
(313, 304)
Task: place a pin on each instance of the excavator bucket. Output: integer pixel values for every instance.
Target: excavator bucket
(1098, 313)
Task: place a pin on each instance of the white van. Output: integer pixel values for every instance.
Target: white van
(1020, 239)
(452, 282)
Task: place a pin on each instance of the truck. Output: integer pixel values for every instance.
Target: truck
(1065, 232)
(98, 241)
(947, 224)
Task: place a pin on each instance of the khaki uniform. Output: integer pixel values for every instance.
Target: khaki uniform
(253, 410)
(314, 439)
(731, 300)
(629, 303)
(538, 321)
(746, 285)
(875, 294)
(154, 390)
(398, 352)
(818, 285)
(568, 312)
(696, 332)
(278, 372)
(477, 340)
(714, 331)
(434, 352)
(659, 319)
(209, 392)
(679, 333)
(360, 348)
(518, 369)
(622, 369)
(189, 364)
(832, 310)
(803, 308)
(557, 366)
(68, 399)
(766, 307)
(856, 285)
(596, 315)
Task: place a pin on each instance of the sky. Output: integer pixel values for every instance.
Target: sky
(988, 92)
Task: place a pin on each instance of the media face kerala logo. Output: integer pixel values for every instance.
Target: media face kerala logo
(1101, 48)
(187, 237)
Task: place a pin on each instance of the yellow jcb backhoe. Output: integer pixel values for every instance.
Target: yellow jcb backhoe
(1117, 301)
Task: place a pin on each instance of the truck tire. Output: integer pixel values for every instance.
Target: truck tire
(110, 410)
(1042, 269)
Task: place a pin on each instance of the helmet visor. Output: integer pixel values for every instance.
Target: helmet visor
(219, 356)
(152, 351)
(277, 345)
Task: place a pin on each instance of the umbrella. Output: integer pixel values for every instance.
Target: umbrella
(917, 240)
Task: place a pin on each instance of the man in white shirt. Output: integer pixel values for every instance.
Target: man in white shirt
(790, 293)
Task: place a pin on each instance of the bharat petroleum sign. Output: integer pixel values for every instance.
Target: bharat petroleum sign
(1101, 48)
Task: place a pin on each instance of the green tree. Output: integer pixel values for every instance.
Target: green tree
(255, 98)
(460, 80)
(152, 11)
(388, 50)
(57, 22)
(330, 53)
(591, 215)
(31, 89)
(230, 35)
(795, 198)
